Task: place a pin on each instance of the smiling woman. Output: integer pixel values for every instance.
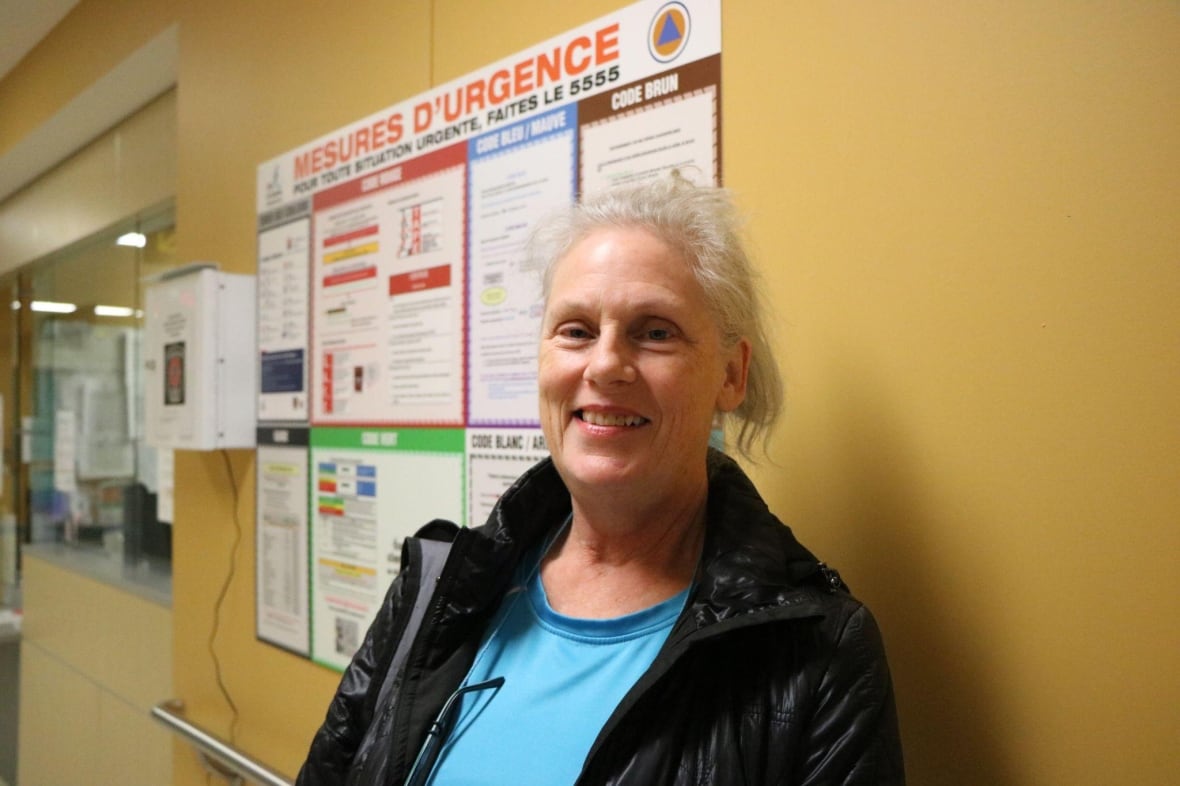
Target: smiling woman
(702, 226)
(632, 613)
(632, 369)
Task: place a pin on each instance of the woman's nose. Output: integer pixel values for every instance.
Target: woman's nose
(610, 360)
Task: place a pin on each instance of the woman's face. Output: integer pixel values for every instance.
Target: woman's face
(632, 366)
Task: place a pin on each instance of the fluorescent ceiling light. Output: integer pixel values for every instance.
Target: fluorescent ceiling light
(51, 307)
(133, 239)
(114, 311)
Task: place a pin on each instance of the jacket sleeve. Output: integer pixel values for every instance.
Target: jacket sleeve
(352, 707)
(853, 737)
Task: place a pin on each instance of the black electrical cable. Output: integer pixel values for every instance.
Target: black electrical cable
(233, 565)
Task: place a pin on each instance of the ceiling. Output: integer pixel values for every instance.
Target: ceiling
(142, 76)
(25, 22)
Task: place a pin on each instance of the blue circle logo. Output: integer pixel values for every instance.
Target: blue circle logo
(668, 34)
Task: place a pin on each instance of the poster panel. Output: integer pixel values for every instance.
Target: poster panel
(651, 127)
(496, 457)
(399, 316)
(372, 487)
(517, 175)
(629, 46)
(284, 254)
(282, 616)
(421, 313)
(388, 277)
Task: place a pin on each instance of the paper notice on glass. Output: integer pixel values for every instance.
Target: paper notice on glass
(65, 452)
(105, 449)
(26, 438)
(165, 462)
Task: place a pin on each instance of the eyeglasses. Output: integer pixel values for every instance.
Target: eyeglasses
(428, 755)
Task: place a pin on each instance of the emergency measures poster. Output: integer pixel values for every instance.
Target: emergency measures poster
(398, 321)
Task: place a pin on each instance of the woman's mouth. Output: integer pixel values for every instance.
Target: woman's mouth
(608, 419)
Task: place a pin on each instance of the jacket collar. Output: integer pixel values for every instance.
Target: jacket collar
(485, 557)
(751, 561)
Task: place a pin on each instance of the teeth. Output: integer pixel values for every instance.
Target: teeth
(602, 419)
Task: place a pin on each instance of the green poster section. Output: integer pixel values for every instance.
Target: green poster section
(371, 489)
(432, 440)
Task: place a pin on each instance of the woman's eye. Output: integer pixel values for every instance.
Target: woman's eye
(574, 331)
(657, 334)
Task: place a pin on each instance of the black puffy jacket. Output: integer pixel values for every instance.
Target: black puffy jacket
(773, 673)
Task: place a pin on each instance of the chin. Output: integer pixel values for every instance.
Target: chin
(597, 471)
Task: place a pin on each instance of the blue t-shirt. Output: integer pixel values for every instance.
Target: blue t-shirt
(563, 676)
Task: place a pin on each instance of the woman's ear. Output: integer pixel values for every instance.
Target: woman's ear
(737, 369)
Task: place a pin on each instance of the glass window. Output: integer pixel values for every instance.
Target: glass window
(85, 475)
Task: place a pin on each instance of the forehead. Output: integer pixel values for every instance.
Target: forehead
(614, 259)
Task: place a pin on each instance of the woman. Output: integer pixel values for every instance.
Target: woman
(631, 613)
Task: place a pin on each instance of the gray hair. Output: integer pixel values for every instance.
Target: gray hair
(702, 224)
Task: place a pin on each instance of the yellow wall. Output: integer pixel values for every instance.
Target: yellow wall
(967, 215)
(94, 660)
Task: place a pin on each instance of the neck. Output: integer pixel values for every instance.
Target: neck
(616, 558)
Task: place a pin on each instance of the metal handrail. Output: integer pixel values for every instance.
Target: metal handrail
(223, 758)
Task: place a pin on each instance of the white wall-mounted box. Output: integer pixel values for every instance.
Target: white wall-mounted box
(200, 365)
